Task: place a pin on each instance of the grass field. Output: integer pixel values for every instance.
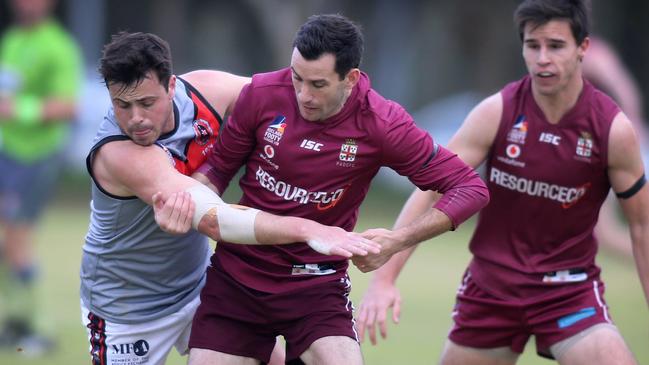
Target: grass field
(427, 284)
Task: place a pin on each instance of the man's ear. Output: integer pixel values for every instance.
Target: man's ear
(352, 77)
(582, 48)
(172, 86)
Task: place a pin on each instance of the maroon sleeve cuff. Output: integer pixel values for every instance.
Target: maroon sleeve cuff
(216, 179)
(460, 203)
(467, 193)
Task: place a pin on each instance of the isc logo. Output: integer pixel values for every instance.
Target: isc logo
(311, 145)
(550, 138)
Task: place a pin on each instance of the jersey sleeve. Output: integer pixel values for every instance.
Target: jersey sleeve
(410, 151)
(236, 141)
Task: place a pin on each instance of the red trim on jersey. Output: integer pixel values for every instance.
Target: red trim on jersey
(206, 127)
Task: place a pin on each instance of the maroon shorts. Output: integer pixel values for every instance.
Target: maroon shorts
(238, 320)
(485, 321)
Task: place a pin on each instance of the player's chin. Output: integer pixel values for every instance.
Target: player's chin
(309, 114)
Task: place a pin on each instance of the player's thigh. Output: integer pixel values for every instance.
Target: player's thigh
(455, 354)
(321, 311)
(278, 357)
(348, 351)
(209, 357)
(600, 344)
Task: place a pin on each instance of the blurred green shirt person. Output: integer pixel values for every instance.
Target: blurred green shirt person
(40, 68)
(36, 63)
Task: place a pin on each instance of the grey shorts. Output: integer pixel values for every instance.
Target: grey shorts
(25, 188)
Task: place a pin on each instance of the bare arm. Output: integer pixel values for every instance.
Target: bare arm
(150, 172)
(472, 143)
(604, 67)
(221, 89)
(625, 168)
(473, 140)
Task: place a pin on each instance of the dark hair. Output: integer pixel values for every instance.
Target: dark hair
(331, 33)
(130, 56)
(539, 12)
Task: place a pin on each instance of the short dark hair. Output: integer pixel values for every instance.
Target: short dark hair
(539, 12)
(331, 33)
(129, 57)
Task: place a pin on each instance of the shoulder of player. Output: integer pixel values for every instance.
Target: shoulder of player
(209, 82)
(220, 89)
(270, 88)
(604, 105)
(490, 108)
(279, 78)
(384, 112)
(205, 78)
(622, 134)
(478, 131)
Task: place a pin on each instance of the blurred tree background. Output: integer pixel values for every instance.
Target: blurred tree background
(416, 50)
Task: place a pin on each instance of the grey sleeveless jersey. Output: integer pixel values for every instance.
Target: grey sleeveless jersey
(132, 271)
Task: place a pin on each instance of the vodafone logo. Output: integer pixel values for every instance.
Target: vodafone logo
(513, 151)
(269, 151)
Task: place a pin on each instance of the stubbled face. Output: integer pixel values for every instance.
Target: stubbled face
(318, 88)
(144, 111)
(552, 56)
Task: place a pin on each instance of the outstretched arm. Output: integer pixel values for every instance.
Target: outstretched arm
(150, 171)
(472, 143)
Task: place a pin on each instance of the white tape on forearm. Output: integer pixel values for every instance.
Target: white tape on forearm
(236, 223)
(204, 200)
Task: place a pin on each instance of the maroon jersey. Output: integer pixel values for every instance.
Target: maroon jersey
(547, 183)
(322, 171)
